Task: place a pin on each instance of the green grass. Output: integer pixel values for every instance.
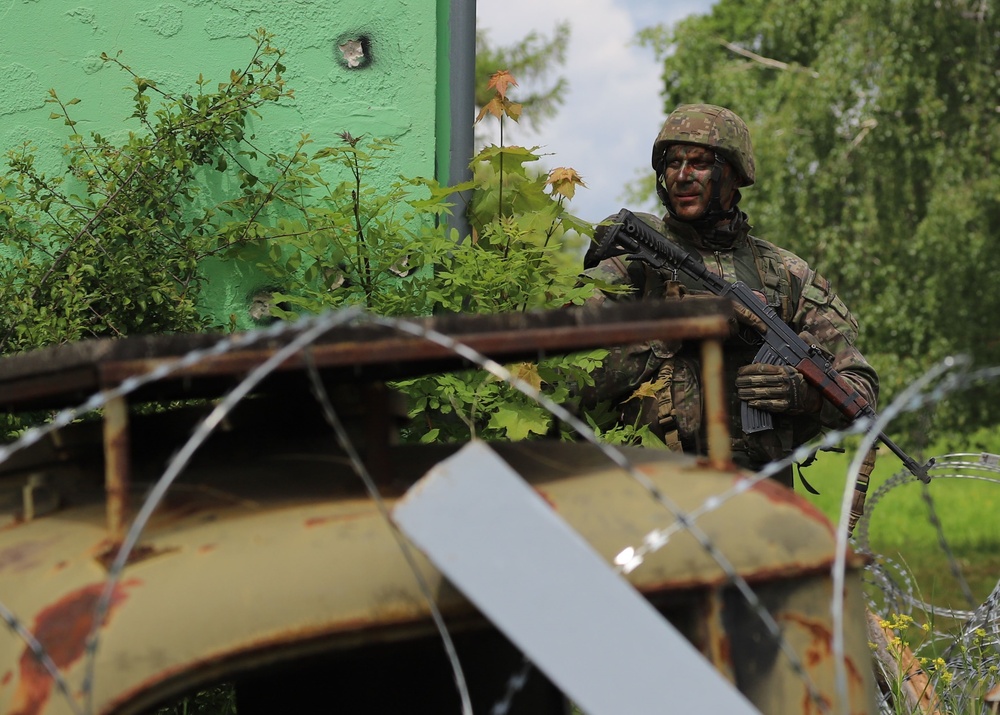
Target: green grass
(901, 528)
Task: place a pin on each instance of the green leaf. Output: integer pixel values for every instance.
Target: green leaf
(430, 436)
(519, 421)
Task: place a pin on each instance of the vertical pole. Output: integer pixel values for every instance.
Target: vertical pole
(720, 448)
(456, 102)
(116, 464)
(462, 59)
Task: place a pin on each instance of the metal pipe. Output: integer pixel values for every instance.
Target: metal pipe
(456, 119)
(720, 448)
(116, 464)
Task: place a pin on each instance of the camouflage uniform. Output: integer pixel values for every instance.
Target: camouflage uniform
(802, 298)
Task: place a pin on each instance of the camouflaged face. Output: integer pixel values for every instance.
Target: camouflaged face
(708, 125)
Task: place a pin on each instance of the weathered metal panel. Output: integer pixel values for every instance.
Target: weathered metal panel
(260, 559)
(67, 373)
(269, 549)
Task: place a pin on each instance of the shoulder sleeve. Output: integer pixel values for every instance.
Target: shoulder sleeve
(821, 313)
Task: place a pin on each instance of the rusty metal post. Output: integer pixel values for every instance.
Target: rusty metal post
(720, 452)
(116, 464)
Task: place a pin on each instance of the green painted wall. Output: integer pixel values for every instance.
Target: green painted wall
(392, 93)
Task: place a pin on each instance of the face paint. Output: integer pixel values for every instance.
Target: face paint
(687, 178)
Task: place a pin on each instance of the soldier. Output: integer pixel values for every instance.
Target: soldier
(702, 157)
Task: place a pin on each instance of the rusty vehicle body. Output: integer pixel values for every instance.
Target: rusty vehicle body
(270, 567)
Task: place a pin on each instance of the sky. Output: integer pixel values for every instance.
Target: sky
(613, 110)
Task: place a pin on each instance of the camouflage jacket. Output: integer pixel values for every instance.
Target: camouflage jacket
(802, 297)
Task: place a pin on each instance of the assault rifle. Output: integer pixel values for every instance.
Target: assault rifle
(782, 346)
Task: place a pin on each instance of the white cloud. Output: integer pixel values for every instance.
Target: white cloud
(613, 109)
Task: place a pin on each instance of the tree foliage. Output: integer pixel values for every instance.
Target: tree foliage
(533, 58)
(876, 128)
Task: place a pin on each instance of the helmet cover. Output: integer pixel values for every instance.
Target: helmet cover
(707, 125)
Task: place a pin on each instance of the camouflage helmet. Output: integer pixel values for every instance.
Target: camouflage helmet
(707, 125)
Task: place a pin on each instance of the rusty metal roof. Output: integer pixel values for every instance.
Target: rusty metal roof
(270, 554)
(268, 548)
(67, 374)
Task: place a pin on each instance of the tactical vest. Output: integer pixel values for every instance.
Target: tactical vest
(776, 277)
(773, 277)
(679, 406)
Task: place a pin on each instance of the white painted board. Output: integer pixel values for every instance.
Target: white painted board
(553, 595)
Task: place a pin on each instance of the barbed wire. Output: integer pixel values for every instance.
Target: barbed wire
(979, 620)
(202, 431)
(618, 458)
(909, 399)
(964, 657)
(358, 465)
(41, 655)
(65, 417)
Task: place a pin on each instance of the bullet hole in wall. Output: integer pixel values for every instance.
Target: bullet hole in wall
(355, 51)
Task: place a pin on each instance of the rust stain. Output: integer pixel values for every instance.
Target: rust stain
(774, 492)
(821, 646)
(548, 500)
(823, 640)
(206, 548)
(725, 646)
(318, 521)
(810, 705)
(727, 468)
(820, 649)
(330, 518)
(62, 629)
(141, 552)
(24, 555)
(60, 566)
(6, 677)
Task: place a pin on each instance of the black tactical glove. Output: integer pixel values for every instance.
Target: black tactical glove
(777, 388)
